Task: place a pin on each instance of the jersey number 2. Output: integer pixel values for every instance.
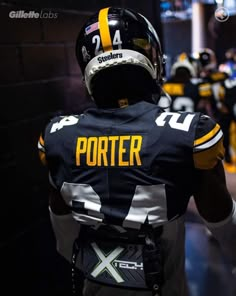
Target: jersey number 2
(172, 118)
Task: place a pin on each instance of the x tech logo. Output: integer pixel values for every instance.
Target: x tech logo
(105, 263)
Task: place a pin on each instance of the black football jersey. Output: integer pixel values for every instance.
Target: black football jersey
(227, 94)
(185, 96)
(129, 166)
(216, 79)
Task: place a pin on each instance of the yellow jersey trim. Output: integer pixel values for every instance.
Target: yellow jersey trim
(174, 89)
(218, 76)
(208, 136)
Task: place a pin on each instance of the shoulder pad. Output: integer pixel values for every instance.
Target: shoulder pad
(208, 145)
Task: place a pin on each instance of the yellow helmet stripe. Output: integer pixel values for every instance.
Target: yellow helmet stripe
(208, 136)
(104, 29)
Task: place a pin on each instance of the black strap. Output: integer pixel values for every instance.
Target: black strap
(77, 276)
(153, 261)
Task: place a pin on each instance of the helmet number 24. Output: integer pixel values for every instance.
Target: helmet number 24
(116, 42)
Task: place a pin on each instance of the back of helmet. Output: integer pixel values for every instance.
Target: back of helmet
(207, 61)
(120, 56)
(184, 68)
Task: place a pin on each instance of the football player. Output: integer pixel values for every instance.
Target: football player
(217, 76)
(209, 73)
(227, 95)
(229, 66)
(125, 171)
(188, 93)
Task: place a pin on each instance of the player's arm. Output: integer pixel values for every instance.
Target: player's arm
(65, 228)
(211, 195)
(212, 198)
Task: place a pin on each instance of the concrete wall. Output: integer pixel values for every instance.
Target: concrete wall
(39, 77)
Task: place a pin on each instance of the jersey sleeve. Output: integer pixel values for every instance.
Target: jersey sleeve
(41, 149)
(208, 146)
(41, 142)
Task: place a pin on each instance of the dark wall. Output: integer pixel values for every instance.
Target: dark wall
(39, 77)
(225, 37)
(219, 36)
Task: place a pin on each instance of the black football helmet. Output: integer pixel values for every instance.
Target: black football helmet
(207, 59)
(184, 61)
(119, 54)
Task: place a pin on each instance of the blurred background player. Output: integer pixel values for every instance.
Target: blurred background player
(227, 105)
(208, 72)
(187, 92)
(229, 66)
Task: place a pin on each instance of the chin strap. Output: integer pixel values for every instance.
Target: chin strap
(156, 96)
(157, 99)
